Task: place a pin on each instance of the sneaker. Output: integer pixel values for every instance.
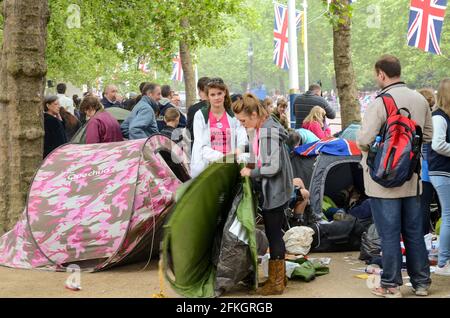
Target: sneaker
(421, 291)
(392, 292)
(443, 271)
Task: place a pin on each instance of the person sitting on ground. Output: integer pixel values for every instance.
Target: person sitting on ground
(102, 126)
(54, 127)
(315, 122)
(141, 123)
(300, 137)
(299, 200)
(172, 119)
(279, 114)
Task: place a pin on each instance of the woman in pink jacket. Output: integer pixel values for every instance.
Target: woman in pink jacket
(315, 122)
(102, 126)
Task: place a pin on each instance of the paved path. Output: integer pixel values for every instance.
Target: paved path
(130, 281)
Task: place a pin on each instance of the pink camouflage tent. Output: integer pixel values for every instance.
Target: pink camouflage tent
(95, 205)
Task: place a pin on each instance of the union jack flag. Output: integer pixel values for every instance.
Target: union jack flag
(177, 69)
(280, 34)
(426, 18)
(331, 146)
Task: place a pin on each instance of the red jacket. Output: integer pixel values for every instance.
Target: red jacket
(103, 127)
(315, 127)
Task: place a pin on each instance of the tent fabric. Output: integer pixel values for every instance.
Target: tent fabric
(342, 177)
(350, 133)
(303, 167)
(209, 242)
(331, 146)
(93, 204)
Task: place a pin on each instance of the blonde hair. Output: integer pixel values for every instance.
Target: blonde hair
(249, 104)
(429, 96)
(443, 95)
(317, 113)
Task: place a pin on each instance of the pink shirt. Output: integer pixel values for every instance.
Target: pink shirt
(315, 127)
(255, 148)
(220, 133)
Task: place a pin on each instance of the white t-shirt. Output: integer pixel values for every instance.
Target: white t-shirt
(67, 103)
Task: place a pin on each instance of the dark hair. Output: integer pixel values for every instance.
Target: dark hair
(171, 114)
(49, 100)
(71, 122)
(142, 85)
(149, 88)
(314, 87)
(390, 65)
(76, 100)
(218, 83)
(166, 91)
(90, 102)
(61, 88)
(201, 83)
(130, 103)
(293, 139)
(236, 97)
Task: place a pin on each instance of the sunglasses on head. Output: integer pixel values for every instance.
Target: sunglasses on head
(216, 80)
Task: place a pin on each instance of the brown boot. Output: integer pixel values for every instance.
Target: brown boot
(276, 283)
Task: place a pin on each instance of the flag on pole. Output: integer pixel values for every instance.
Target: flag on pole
(280, 34)
(177, 69)
(426, 18)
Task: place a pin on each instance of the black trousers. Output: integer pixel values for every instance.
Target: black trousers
(273, 224)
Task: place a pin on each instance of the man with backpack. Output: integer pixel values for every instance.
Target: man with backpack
(392, 143)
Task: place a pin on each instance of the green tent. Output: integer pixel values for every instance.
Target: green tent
(209, 241)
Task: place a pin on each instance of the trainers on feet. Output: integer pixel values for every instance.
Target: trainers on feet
(392, 292)
(421, 291)
(444, 271)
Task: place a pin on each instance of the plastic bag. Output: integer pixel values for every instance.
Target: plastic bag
(298, 240)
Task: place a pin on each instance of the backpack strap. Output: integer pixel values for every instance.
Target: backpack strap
(205, 111)
(389, 104)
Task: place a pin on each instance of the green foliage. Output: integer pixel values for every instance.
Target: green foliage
(370, 40)
(151, 29)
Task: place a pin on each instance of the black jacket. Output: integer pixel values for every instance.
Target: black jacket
(106, 103)
(439, 165)
(190, 117)
(167, 131)
(305, 102)
(55, 134)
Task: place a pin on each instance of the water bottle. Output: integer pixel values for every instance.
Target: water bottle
(372, 269)
(375, 145)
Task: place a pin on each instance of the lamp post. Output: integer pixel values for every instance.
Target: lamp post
(250, 64)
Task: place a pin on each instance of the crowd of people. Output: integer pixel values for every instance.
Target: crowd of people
(222, 125)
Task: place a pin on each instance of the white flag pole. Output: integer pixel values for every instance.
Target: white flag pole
(293, 59)
(305, 48)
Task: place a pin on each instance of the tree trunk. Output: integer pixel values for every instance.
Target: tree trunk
(343, 66)
(188, 69)
(22, 82)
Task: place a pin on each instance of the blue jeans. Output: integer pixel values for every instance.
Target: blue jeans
(401, 216)
(442, 186)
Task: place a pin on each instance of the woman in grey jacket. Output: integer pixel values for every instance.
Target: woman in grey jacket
(273, 172)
